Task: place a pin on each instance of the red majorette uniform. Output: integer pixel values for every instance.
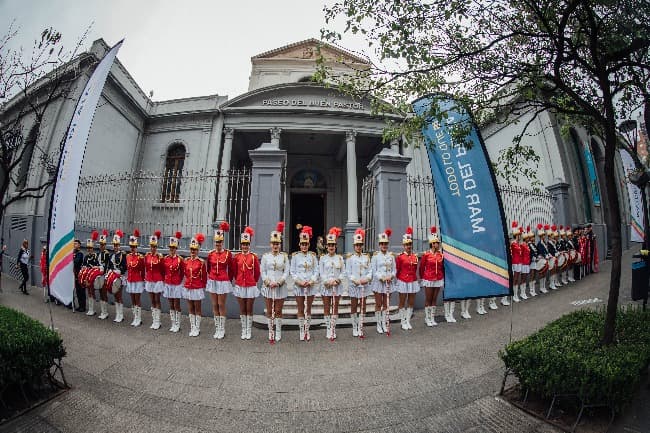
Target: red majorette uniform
(196, 273)
(525, 260)
(406, 266)
(247, 273)
(134, 267)
(154, 268)
(432, 274)
(220, 266)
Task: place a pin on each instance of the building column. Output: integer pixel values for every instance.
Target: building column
(388, 168)
(352, 222)
(224, 179)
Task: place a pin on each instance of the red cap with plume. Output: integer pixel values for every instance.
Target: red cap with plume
(547, 227)
(94, 235)
(249, 230)
(308, 230)
(178, 235)
(360, 231)
(553, 227)
(200, 237)
(434, 229)
(514, 224)
(105, 232)
(539, 226)
(136, 233)
(157, 233)
(224, 226)
(388, 231)
(119, 232)
(280, 227)
(409, 230)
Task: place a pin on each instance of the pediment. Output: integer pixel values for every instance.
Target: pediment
(308, 50)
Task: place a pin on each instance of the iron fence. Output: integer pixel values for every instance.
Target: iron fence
(186, 201)
(368, 187)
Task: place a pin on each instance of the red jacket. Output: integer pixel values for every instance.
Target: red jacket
(432, 267)
(44, 268)
(515, 252)
(525, 253)
(174, 270)
(154, 267)
(220, 265)
(406, 266)
(247, 269)
(134, 267)
(196, 275)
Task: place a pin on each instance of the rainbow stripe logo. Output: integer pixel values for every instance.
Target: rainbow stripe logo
(476, 261)
(61, 255)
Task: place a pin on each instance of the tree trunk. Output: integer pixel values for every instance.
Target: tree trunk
(614, 222)
(646, 119)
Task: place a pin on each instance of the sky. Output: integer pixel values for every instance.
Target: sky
(178, 49)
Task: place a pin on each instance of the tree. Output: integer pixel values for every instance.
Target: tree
(30, 84)
(503, 58)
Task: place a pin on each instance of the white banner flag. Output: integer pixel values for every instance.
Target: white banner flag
(636, 203)
(62, 211)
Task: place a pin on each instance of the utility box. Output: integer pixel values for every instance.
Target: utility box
(640, 281)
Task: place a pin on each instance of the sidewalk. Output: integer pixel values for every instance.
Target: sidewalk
(441, 379)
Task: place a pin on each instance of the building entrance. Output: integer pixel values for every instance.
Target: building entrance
(307, 210)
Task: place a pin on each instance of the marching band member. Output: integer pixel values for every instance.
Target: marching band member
(117, 264)
(103, 257)
(331, 270)
(432, 275)
(571, 252)
(135, 277)
(553, 252)
(154, 278)
(359, 272)
(196, 278)
(304, 272)
(91, 261)
(515, 254)
(77, 262)
(406, 265)
(247, 273)
(173, 279)
(383, 271)
(220, 274)
(563, 249)
(275, 271)
(542, 255)
(532, 260)
(524, 251)
(575, 242)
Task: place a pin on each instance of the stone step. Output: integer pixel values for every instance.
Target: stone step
(317, 311)
(260, 322)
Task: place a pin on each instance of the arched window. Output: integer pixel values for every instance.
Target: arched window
(174, 162)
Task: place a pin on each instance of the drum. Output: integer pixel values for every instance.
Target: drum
(91, 278)
(541, 264)
(113, 282)
(551, 263)
(81, 277)
(578, 258)
(573, 254)
(561, 260)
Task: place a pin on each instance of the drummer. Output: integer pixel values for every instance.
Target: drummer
(90, 261)
(117, 265)
(103, 258)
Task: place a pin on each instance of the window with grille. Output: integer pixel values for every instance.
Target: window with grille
(173, 175)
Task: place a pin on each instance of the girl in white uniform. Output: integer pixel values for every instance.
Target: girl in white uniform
(331, 269)
(275, 271)
(383, 281)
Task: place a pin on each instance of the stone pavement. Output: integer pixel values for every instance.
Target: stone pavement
(443, 379)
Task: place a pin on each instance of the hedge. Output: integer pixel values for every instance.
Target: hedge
(565, 357)
(27, 350)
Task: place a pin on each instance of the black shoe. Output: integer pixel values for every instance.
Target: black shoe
(69, 306)
(80, 310)
(25, 292)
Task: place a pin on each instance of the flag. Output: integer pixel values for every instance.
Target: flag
(472, 224)
(62, 210)
(634, 196)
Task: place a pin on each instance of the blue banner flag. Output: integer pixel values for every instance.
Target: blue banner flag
(474, 233)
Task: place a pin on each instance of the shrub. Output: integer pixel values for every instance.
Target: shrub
(565, 357)
(27, 350)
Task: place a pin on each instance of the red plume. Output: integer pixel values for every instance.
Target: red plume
(280, 227)
(178, 235)
(94, 235)
(388, 231)
(361, 232)
(136, 233)
(119, 232)
(339, 231)
(409, 230)
(527, 229)
(553, 227)
(224, 226)
(561, 227)
(200, 237)
(514, 224)
(249, 230)
(547, 227)
(308, 230)
(568, 229)
(539, 226)
(105, 232)
(157, 233)
(434, 229)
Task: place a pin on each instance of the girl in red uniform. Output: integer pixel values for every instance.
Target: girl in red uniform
(173, 277)
(196, 277)
(524, 252)
(220, 273)
(406, 265)
(515, 253)
(247, 273)
(135, 277)
(432, 274)
(154, 271)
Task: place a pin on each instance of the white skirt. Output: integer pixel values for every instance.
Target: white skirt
(516, 268)
(381, 287)
(154, 287)
(193, 294)
(404, 287)
(301, 291)
(135, 287)
(432, 283)
(173, 292)
(277, 293)
(329, 291)
(359, 291)
(219, 287)
(524, 269)
(245, 292)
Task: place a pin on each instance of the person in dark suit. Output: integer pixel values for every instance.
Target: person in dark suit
(23, 262)
(78, 260)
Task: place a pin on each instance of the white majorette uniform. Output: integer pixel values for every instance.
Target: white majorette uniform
(357, 268)
(304, 267)
(383, 266)
(331, 270)
(275, 269)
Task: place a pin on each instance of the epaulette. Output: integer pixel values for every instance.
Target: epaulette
(212, 251)
(294, 253)
(284, 254)
(311, 253)
(375, 253)
(348, 255)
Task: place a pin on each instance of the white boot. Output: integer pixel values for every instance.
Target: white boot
(445, 306)
(103, 305)
(478, 306)
(385, 321)
(522, 291)
(565, 278)
(409, 314)
(307, 326)
(301, 328)
(515, 293)
(216, 327)
(192, 332)
(91, 307)
(427, 316)
(119, 313)
(452, 307)
(172, 320)
(542, 285)
(328, 327)
(222, 327)
(551, 283)
(249, 327)
(533, 293)
(197, 324)
(433, 316)
(243, 320)
(464, 306)
(134, 310)
(278, 329)
(355, 324)
(378, 318)
(493, 303)
(504, 301)
(402, 318)
(269, 324)
(155, 312)
(333, 328)
(177, 324)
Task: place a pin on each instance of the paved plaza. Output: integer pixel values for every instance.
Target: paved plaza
(443, 379)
